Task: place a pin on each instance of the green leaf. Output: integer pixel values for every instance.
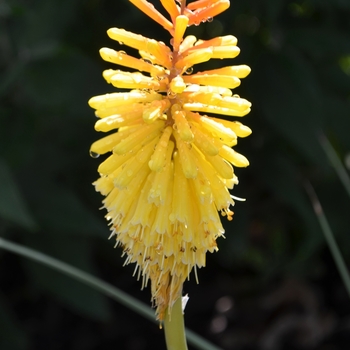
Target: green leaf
(12, 205)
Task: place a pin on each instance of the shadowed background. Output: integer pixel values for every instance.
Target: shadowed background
(273, 284)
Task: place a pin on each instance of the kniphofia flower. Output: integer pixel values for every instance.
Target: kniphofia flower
(170, 167)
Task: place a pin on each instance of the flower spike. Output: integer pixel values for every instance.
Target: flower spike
(170, 164)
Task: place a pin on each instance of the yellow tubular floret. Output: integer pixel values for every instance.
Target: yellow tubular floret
(181, 208)
(238, 104)
(238, 128)
(187, 43)
(200, 107)
(180, 28)
(181, 124)
(155, 110)
(119, 110)
(107, 143)
(117, 121)
(133, 166)
(240, 71)
(122, 59)
(195, 57)
(233, 157)
(177, 85)
(220, 41)
(122, 98)
(186, 157)
(206, 143)
(157, 161)
(217, 129)
(219, 80)
(150, 11)
(209, 11)
(141, 135)
(171, 8)
(139, 42)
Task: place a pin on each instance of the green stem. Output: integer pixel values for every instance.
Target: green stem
(328, 234)
(336, 162)
(174, 327)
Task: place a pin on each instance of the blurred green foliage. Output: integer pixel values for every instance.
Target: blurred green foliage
(299, 52)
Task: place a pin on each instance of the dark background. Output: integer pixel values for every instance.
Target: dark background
(273, 284)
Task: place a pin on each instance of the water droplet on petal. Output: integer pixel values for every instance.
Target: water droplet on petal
(210, 19)
(189, 70)
(94, 154)
(171, 94)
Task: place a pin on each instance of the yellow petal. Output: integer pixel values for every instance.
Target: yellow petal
(107, 143)
(202, 14)
(177, 85)
(150, 11)
(240, 71)
(234, 157)
(227, 81)
(205, 143)
(238, 128)
(122, 98)
(133, 166)
(141, 135)
(199, 107)
(116, 121)
(187, 43)
(126, 80)
(171, 8)
(226, 135)
(180, 28)
(139, 42)
(119, 110)
(158, 159)
(186, 157)
(182, 124)
(195, 57)
(159, 190)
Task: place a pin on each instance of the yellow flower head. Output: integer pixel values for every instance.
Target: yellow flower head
(170, 166)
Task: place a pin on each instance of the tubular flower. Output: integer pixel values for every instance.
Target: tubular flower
(170, 165)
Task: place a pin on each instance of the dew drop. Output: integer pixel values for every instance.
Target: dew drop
(236, 96)
(120, 43)
(94, 154)
(210, 19)
(189, 70)
(171, 94)
(129, 173)
(122, 52)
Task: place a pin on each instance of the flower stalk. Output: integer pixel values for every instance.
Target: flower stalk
(174, 327)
